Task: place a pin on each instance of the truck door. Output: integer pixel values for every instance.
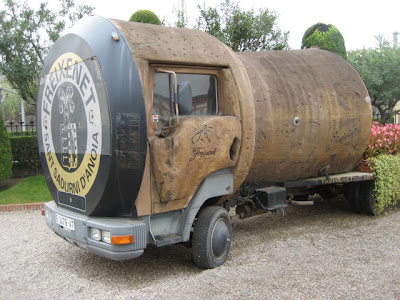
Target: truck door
(192, 138)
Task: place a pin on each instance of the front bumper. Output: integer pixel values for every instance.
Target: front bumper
(80, 235)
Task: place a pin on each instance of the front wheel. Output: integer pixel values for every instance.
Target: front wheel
(212, 237)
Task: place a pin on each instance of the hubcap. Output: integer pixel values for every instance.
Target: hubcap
(220, 238)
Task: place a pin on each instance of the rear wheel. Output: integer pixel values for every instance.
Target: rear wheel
(367, 197)
(212, 237)
(361, 197)
(353, 196)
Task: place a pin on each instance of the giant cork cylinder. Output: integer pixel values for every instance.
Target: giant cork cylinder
(312, 112)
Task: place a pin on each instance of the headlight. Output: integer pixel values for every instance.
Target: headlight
(95, 234)
(106, 237)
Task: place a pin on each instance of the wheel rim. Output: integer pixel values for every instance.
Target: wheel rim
(220, 238)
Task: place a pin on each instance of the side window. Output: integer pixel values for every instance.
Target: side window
(204, 93)
(203, 90)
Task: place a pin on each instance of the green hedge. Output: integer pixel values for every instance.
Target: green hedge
(5, 153)
(25, 151)
(386, 169)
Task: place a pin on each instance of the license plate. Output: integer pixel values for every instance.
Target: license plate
(64, 222)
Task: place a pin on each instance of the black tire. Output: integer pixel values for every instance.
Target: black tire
(352, 193)
(367, 197)
(361, 197)
(211, 237)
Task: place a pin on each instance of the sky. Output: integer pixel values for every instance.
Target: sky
(358, 21)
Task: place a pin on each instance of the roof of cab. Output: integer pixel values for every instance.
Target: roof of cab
(157, 43)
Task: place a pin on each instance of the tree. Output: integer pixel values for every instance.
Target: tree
(182, 21)
(145, 16)
(327, 37)
(380, 70)
(243, 30)
(5, 153)
(25, 38)
(9, 104)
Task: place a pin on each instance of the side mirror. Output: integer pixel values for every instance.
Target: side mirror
(185, 98)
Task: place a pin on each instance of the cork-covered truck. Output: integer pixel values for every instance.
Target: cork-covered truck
(156, 135)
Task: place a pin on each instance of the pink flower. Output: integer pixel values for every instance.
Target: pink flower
(383, 139)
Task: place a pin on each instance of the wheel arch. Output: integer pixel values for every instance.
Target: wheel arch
(216, 184)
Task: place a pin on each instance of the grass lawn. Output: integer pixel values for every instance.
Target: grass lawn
(27, 190)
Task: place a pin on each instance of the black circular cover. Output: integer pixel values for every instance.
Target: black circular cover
(92, 121)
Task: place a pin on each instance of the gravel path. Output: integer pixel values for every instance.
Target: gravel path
(319, 252)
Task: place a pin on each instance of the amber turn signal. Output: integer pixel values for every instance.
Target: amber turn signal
(122, 239)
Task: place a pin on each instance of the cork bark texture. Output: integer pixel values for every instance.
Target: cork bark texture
(312, 111)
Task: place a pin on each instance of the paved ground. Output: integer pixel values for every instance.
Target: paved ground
(320, 252)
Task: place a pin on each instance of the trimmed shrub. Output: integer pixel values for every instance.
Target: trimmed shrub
(145, 16)
(5, 153)
(387, 181)
(25, 151)
(327, 37)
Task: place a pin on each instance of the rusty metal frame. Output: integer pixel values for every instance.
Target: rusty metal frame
(333, 179)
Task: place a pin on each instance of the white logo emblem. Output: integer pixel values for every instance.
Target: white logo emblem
(71, 125)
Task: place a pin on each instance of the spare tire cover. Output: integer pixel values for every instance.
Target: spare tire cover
(90, 85)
